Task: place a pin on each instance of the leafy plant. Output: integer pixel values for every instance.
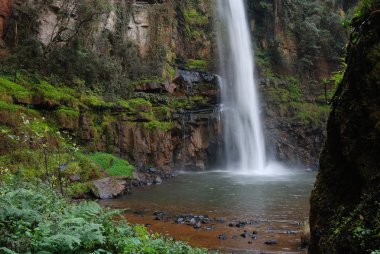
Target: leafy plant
(36, 220)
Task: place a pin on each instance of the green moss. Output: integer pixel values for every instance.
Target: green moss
(197, 64)
(164, 126)
(78, 189)
(95, 101)
(170, 72)
(145, 116)
(68, 111)
(62, 95)
(9, 107)
(138, 102)
(15, 90)
(187, 103)
(113, 165)
(137, 105)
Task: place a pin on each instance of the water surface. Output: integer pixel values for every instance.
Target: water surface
(278, 204)
(227, 194)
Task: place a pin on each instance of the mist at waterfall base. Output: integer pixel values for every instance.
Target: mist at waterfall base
(244, 149)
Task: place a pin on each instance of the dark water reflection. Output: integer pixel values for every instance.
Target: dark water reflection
(218, 192)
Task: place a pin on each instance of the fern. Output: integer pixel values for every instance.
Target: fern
(36, 220)
(6, 251)
(86, 210)
(61, 243)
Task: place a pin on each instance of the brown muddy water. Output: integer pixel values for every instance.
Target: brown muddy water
(246, 211)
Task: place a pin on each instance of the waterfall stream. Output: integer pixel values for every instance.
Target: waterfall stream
(243, 134)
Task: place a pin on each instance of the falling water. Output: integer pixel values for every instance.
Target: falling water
(244, 141)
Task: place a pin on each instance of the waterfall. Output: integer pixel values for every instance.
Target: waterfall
(244, 140)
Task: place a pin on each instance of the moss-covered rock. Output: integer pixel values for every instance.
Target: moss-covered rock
(345, 214)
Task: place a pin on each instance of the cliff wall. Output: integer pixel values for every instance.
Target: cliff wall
(345, 201)
(163, 51)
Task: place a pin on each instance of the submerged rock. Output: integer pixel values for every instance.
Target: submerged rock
(222, 237)
(198, 225)
(270, 242)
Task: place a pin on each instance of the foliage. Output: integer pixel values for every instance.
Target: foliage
(197, 64)
(365, 7)
(294, 88)
(313, 26)
(309, 113)
(35, 219)
(362, 224)
(195, 23)
(113, 165)
(39, 151)
(193, 17)
(163, 113)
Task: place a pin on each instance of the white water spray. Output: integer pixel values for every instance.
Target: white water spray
(244, 140)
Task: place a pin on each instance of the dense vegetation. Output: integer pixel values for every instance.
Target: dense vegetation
(34, 219)
(313, 29)
(35, 149)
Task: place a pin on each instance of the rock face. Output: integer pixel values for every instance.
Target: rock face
(292, 62)
(157, 39)
(191, 141)
(344, 214)
(4, 13)
(294, 129)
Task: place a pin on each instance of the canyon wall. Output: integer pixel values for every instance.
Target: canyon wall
(164, 51)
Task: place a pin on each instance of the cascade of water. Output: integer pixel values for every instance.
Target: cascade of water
(244, 141)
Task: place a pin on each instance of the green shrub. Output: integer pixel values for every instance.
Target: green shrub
(163, 113)
(309, 113)
(193, 17)
(294, 88)
(34, 219)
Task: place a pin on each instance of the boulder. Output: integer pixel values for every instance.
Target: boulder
(109, 187)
